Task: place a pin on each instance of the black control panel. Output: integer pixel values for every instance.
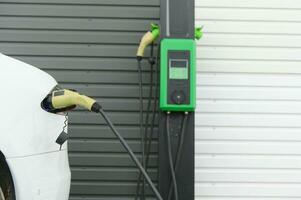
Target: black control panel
(178, 77)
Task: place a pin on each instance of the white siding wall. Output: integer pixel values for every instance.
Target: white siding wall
(248, 121)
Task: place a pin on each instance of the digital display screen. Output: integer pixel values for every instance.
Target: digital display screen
(178, 63)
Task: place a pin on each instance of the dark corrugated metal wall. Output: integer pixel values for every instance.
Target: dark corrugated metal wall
(88, 45)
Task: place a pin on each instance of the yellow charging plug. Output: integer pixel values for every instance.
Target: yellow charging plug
(147, 39)
(61, 99)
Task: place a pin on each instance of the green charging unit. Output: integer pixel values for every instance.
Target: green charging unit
(178, 75)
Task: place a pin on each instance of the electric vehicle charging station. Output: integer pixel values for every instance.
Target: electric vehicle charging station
(177, 98)
(178, 75)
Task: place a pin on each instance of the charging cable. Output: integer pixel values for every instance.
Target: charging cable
(132, 155)
(179, 151)
(170, 159)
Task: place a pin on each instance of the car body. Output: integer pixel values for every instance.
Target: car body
(39, 168)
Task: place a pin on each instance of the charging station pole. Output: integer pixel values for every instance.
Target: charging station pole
(178, 88)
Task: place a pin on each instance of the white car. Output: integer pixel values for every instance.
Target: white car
(32, 165)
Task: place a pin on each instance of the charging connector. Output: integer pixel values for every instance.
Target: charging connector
(147, 39)
(64, 100)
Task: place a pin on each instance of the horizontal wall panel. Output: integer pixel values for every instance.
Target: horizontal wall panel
(64, 50)
(86, 37)
(118, 118)
(248, 14)
(82, 159)
(104, 188)
(248, 93)
(243, 198)
(108, 174)
(87, 2)
(243, 53)
(44, 23)
(110, 146)
(249, 40)
(103, 197)
(236, 190)
(247, 147)
(248, 176)
(248, 134)
(248, 120)
(279, 4)
(107, 91)
(83, 63)
(249, 27)
(246, 161)
(98, 77)
(247, 79)
(79, 11)
(262, 107)
(245, 66)
(103, 132)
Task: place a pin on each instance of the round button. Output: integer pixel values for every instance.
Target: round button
(178, 97)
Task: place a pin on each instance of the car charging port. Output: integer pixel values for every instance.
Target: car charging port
(46, 104)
